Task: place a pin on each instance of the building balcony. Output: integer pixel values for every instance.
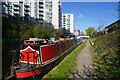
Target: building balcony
(17, 8)
(26, 13)
(16, 15)
(40, 18)
(48, 13)
(16, 12)
(40, 13)
(41, 6)
(41, 3)
(16, 3)
(20, 1)
(27, 9)
(27, 5)
(41, 9)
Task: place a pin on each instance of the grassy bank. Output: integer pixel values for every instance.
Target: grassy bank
(66, 66)
(93, 40)
(107, 56)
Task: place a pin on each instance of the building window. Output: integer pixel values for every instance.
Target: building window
(63, 19)
(50, 17)
(40, 17)
(41, 3)
(48, 9)
(46, 17)
(48, 5)
(48, 13)
(49, 2)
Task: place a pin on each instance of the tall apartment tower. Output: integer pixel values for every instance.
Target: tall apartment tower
(68, 22)
(43, 11)
(48, 11)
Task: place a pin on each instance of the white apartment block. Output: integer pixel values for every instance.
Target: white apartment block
(43, 11)
(68, 22)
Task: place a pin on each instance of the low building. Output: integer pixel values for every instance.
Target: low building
(77, 32)
(113, 26)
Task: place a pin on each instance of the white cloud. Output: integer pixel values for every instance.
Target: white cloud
(80, 15)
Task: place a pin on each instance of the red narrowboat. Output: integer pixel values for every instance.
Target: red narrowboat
(37, 56)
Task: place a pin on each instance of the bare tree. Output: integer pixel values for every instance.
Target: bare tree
(101, 26)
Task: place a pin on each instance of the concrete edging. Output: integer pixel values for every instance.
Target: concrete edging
(91, 42)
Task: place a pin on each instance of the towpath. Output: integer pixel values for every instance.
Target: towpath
(84, 62)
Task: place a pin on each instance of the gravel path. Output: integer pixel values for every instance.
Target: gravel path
(84, 68)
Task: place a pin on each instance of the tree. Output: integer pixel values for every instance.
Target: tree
(101, 26)
(58, 33)
(94, 33)
(49, 32)
(26, 30)
(38, 30)
(89, 31)
(44, 31)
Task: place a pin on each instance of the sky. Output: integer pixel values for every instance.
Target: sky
(91, 14)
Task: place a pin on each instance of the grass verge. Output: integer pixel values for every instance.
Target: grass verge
(67, 65)
(107, 57)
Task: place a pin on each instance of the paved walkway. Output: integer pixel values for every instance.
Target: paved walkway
(84, 61)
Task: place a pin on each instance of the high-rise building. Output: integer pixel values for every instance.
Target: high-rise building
(68, 22)
(43, 11)
(49, 11)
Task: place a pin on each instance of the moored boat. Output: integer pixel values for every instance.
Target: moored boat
(38, 55)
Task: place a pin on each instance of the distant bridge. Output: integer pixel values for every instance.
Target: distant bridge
(83, 37)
